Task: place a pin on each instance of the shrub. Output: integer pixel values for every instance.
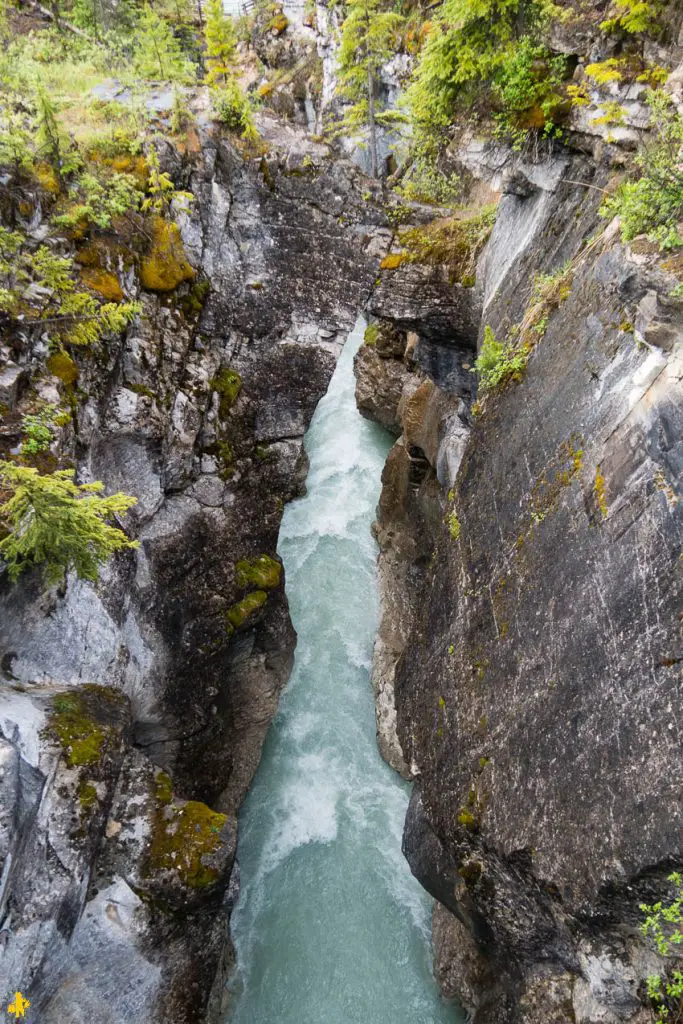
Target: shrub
(232, 108)
(427, 184)
(498, 362)
(467, 45)
(58, 524)
(528, 85)
(37, 430)
(664, 924)
(653, 205)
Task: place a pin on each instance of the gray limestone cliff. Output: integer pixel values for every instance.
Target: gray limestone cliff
(528, 663)
(133, 710)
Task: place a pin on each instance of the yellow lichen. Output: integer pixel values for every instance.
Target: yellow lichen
(392, 261)
(47, 178)
(165, 266)
(61, 365)
(599, 491)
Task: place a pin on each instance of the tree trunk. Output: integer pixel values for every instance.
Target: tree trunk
(371, 125)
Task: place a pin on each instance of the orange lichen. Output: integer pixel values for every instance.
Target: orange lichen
(103, 282)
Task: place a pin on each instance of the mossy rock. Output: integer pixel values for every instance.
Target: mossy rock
(263, 572)
(371, 332)
(186, 838)
(86, 722)
(228, 384)
(103, 282)
(241, 612)
(165, 266)
(47, 178)
(62, 366)
(278, 23)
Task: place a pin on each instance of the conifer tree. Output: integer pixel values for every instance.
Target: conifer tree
(221, 44)
(158, 54)
(368, 37)
(58, 524)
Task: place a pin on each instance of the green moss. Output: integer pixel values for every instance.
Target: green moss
(467, 820)
(184, 836)
(470, 871)
(80, 736)
(62, 366)
(226, 458)
(228, 384)
(454, 242)
(193, 303)
(87, 796)
(263, 572)
(599, 491)
(165, 266)
(141, 389)
(393, 261)
(371, 334)
(241, 612)
(454, 525)
(278, 23)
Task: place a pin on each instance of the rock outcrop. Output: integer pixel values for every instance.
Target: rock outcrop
(132, 711)
(530, 646)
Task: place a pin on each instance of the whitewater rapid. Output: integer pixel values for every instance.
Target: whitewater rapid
(331, 927)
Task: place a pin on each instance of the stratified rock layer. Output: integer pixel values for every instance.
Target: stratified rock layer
(531, 578)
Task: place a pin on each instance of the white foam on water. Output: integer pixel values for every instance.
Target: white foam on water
(331, 927)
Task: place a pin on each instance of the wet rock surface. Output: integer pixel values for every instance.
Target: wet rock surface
(199, 411)
(530, 641)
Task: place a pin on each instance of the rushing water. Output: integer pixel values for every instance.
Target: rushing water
(331, 927)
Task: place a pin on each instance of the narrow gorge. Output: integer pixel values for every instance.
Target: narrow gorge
(341, 357)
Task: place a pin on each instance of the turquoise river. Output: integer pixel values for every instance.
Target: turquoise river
(331, 927)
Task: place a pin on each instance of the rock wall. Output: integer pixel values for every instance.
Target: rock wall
(528, 659)
(132, 711)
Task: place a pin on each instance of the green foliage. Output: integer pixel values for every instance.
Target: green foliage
(36, 429)
(53, 144)
(664, 925)
(161, 192)
(221, 44)
(158, 54)
(427, 184)
(653, 204)
(454, 525)
(232, 108)
(369, 37)
(470, 42)
(606, 71)
(40, 287)
(58, 524)
(528, 86)
(97, 202)
(633, 16)
(497, 362)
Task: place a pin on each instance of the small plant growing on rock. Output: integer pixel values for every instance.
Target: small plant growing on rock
(653, 204)
(51, 521)
(454, 525)
(664, 925)
(497, 363)
(37, 430)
